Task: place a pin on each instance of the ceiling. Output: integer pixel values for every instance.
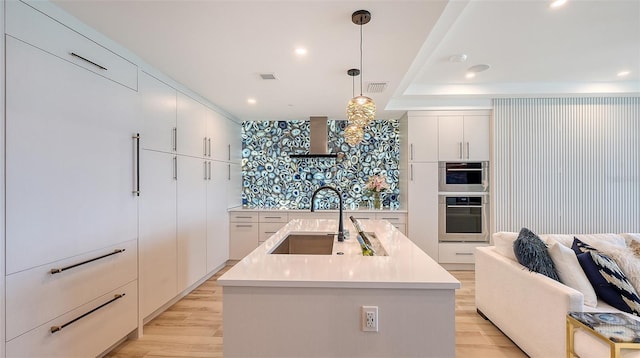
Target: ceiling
(219, 48)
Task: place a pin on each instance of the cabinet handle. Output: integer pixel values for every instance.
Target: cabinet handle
(273, 217)
(116, 297)
(209, 170)
(175, 168)
(270, 232)
(244, 225)
(391, 219)
(204, 146)
(460, 147)
(205, 170)
(209, 146)
(244, 217)
(467, 150)
(411, 171)
(411, 150)
(54, 271)
(229, 152)
(175, 139)
(464, 253)
(89, 61)
(136, 190)
(229, 172)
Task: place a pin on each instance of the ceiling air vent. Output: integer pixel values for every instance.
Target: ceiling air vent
(376, 87)
(268, 76)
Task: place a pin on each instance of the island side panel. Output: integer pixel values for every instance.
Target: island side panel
(325, 322)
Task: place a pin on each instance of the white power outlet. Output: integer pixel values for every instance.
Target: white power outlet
(370, 318)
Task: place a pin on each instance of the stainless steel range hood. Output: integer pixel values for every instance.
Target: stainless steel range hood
(318, 147)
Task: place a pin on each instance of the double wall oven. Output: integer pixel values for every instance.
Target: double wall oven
(463, 202)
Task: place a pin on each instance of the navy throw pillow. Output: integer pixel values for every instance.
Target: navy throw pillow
(609, 282)
(532, 253)
(579, 247)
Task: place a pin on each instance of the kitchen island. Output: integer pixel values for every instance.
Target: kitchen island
(290, 305)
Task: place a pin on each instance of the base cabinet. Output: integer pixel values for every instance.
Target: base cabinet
(458, 252)
(107, 318)
(423, 207)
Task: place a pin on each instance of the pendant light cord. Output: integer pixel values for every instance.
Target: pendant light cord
(361, 72)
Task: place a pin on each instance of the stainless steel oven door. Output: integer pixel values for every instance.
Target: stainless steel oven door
(463, 218)
(463, 176)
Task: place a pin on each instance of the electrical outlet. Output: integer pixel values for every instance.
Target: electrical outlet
(370, 318)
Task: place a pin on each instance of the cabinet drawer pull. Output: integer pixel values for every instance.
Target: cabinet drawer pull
(273, 217)
(136, 191)
(464, 253)
(269, 232)
(244, 225)
(55, 329)
(244, 217)
(391, 219)
(58, 270)
(87, 60)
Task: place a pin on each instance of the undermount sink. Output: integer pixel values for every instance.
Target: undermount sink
(306, 244)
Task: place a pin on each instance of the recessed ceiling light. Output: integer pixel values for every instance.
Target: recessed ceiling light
(557, 3)
(301, 51)
(623, 73)
(251, 100)
(478, 68)
(458, 58)
(470, 75)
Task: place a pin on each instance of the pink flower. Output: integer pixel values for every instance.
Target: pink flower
(377, 183)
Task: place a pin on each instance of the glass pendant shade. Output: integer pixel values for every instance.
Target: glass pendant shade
(353, 134)
(361, 110)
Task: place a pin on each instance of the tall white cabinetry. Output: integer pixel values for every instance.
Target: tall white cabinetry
(71, 212)
(184, 192)
(422, 196)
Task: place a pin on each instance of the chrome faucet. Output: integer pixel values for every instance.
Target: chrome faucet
(340, 225)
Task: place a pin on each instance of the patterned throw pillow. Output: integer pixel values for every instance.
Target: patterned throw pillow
(532, 253)
(580, 247)
(609, 282)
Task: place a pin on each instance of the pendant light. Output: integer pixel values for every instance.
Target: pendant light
(354, 133)
(361, 109)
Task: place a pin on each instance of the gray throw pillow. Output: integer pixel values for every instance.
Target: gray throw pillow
(532, 253)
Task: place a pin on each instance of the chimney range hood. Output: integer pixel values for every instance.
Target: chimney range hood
(318, 147)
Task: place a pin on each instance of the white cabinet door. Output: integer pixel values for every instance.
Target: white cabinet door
(450, 134)
(191, 122)
(158, 111)
(69, 159)
(476, 137)
(234, 185)
(217, 136)
(192, 221)
(423, 138)
(244, 238)
(234, 138)
(218, 218)
(423, 207)
(158, 243)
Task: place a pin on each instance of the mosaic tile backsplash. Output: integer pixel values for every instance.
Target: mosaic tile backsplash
(271, 179)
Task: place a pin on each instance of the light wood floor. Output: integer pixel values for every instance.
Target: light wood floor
(193, 327)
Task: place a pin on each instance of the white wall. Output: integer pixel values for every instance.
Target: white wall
(567, 165)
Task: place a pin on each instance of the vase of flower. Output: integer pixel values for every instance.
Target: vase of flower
(375, 185)
(377, 203)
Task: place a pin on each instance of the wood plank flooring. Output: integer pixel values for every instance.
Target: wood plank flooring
(193, 327)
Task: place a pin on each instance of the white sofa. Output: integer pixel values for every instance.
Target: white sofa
(531, 308)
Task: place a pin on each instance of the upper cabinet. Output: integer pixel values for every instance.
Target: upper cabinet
(463, 137)
(191, 121)
(234, 136)
(423, 138)
(158, 108)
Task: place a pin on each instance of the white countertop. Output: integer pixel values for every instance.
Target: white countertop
(406, 267)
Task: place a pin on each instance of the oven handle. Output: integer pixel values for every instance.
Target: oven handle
(465, 206)
(465, 170)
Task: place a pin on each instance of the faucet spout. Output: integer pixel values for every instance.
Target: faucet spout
(340, 224)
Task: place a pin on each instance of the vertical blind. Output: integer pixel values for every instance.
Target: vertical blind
(567, 165)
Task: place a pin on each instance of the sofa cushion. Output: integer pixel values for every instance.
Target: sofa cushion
(570, 271)
(503, 242)
(532, 253)
(631, 237)
(635, 247)
(595, 240)
(609, 282)
(628, 263)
